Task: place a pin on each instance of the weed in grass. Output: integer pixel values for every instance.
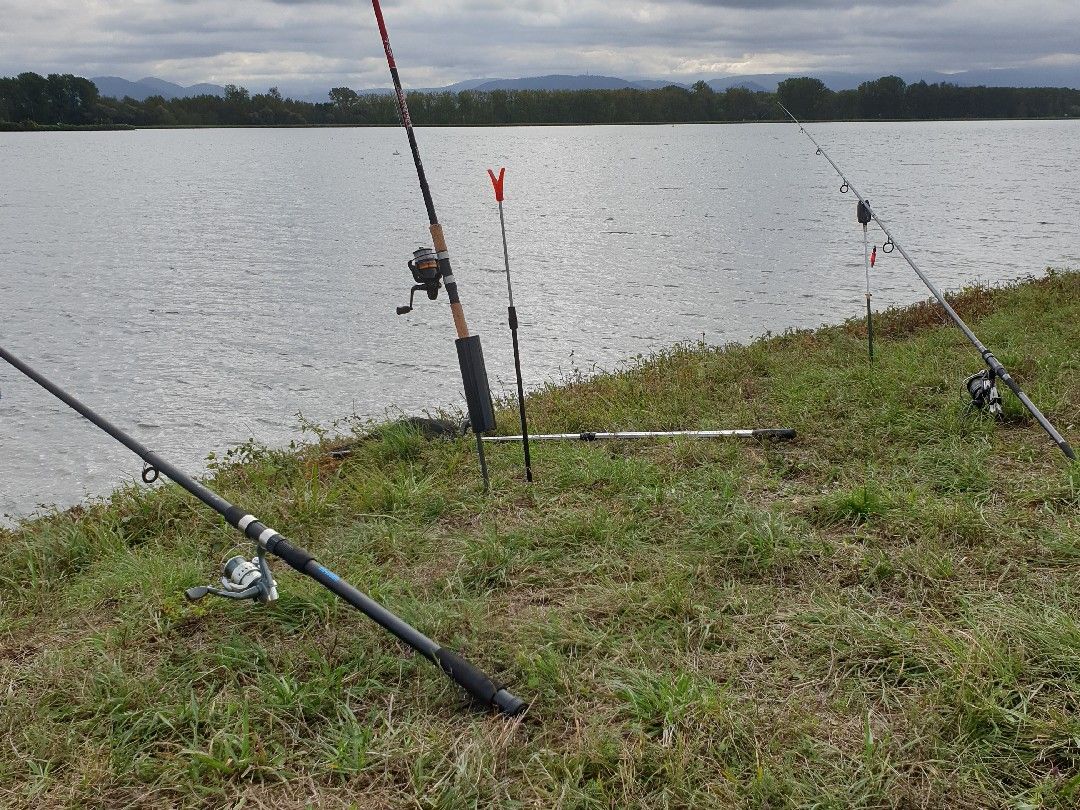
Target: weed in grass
(853, 506)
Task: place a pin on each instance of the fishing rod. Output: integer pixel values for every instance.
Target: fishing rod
(511, 312)
(431, 270)
(591, 436)
(244, 579)
(982, 386)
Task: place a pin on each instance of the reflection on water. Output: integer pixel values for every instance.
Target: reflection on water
(205, 286)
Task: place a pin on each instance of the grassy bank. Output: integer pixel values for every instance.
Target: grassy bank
(882, 613)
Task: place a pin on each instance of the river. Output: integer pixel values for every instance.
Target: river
(203, 287)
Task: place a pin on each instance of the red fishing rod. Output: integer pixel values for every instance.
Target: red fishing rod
(431, 270)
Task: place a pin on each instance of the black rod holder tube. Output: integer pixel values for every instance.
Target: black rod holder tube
(988, 357)
(478, 685)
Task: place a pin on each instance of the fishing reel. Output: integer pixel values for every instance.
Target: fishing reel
(241, 579)
(984, 392)
(424, 267)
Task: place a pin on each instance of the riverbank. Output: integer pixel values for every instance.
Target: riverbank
(881, 613)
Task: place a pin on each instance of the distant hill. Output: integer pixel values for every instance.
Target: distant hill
(762, 82)
(115, 87)
(996, 77)
(563, 82)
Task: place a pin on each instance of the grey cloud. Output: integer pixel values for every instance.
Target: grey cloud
(313, 42)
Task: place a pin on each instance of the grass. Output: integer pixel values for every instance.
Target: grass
(881, 614)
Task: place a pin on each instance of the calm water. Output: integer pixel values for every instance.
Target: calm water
(203, 287)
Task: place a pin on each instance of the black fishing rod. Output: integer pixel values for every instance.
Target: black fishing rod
(243, 579)
(592, 436)
(431, 268)
(511, 312)
(982, 385)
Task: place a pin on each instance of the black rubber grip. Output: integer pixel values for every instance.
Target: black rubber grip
(233, 515)
(477, 684)
(774, 433)
(512, 313)
(475, 381)
(295, 556)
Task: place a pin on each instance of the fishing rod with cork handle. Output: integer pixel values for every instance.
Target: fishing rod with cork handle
(431, 271)
(244, 579)
(981, 386)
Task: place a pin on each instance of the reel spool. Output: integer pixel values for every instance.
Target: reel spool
(424, 267)
(241, 579)
(982, 387)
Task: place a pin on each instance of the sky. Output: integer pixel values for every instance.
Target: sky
(310, 44)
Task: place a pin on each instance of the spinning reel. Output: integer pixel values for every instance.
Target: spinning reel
(241, 579)
(984, 392)
(425, 272)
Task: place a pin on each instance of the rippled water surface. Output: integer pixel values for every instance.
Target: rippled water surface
(200, 287)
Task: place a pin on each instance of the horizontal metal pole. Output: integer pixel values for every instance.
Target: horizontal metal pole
(588, 436)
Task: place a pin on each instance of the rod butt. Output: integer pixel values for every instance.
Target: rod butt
(508, 704)
(478, 685)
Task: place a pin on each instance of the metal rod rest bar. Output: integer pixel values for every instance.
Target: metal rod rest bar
(588, 436)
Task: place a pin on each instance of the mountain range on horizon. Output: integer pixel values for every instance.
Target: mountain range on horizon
(142, 89)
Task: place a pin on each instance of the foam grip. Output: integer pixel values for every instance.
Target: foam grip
(474, 379)
(479, 686)
(295, 556)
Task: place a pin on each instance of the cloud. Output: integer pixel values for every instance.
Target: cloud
(325, 42)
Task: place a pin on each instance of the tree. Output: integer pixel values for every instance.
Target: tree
(807, 98)
(346, 104)
(741, 104)
(882, 98)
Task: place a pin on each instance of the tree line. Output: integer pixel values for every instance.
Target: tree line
(29, 101)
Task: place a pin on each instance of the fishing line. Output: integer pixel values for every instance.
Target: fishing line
(994, 369)
(251, 579)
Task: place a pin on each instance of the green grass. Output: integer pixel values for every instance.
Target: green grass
(881, 614)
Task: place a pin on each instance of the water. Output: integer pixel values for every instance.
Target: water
(200, 287)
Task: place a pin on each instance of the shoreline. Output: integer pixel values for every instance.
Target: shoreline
(926, 310)
(9, 127)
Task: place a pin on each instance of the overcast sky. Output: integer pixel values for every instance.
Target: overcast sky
(321, 43)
